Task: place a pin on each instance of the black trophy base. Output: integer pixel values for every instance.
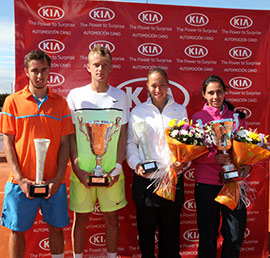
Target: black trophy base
(149, 167)
(98, 181)
(39, 190)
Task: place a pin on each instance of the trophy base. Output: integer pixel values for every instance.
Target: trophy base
(98, 181)
(39, 190)
(230, 176)
(149, 167)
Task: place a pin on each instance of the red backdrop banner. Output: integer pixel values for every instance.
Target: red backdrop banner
(190, 43)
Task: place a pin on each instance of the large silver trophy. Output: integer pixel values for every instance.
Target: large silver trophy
(141, 131)
(222, 132)
(41, 147)
(99, 133)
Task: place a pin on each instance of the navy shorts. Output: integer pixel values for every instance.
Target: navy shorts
(19, 212)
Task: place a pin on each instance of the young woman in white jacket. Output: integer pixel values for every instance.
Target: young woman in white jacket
(147, 141)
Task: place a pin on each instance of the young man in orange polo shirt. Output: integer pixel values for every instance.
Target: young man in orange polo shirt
(35, 112)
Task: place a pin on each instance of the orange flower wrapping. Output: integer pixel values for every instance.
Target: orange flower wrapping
(248, 153)
(243, 154)
(229, 195)
(179, 152)
(184, 152)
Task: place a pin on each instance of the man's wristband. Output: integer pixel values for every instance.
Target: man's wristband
(117, 170)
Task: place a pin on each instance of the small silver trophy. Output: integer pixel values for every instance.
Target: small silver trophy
(41, 147)
(99, 133)
(148, 164)
(222, 132)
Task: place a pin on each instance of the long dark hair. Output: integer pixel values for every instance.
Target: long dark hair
(215, 78)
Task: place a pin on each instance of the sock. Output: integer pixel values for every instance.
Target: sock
(77, 255)
(111, 255)
(57, 255)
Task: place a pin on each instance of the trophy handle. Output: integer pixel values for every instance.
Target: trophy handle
(117, 126)
(200, 123)
(236, 121)
(80, 119)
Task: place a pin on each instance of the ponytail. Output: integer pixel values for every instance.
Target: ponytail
(231, 107)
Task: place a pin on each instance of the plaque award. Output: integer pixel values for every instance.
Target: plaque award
(99, 133)
(222, 131)
(148, 164)
(38, 189)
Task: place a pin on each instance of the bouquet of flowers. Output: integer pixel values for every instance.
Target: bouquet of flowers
(186, 142)
(249, 147)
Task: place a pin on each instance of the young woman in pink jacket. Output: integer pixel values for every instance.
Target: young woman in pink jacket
(208, 182)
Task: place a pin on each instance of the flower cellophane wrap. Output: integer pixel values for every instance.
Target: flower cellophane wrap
(182, 153)
(243, 154)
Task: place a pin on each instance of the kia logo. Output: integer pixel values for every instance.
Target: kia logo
(196, 19)
(190, 205)
(240, 83)
(247, 202)
(55, 79)
(98, 239)
(189, 174)
(196, 51)
(51, 12)
(103, 43)
(150, 49)
(51, 46)
(191, 235)
(133, 95)
(102, 14)
(240, 53)
(150, 17)
(245, 110)
(241, 22)
(96, 210)
(247, 232)
(44, 244)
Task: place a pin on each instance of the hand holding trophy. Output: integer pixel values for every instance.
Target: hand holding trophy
(41, 147)
(99, 134)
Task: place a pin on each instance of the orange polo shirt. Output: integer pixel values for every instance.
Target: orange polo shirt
(27, 118)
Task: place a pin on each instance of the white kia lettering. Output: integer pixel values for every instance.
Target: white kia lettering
(51, 46)
(134, 95)
(189, 174)
(150, 49)
(102, 14)
(240, 53)
(190, 205)
(191, 235)
(196, 51)
(150, 17)
(240, 83)
(44, 244)
(241, 22)
(103, 43)
(197, 19)
(98, 239)
(55, 79)
(50, 12)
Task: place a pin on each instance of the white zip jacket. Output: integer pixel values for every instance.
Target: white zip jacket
(147, 120)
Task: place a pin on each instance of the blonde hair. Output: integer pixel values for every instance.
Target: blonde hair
(100, 51)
